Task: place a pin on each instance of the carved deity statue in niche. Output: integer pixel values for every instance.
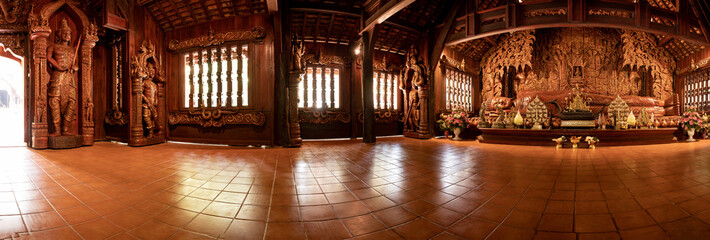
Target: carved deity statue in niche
(62, 87)
(150, 101)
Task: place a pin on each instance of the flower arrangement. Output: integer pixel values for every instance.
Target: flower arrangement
(691, 120)
(457, 119)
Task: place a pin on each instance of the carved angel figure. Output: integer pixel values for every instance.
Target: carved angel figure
(297, 52)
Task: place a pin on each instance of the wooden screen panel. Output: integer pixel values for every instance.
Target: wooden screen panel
(385, 90)
(212, 74)
(696, 90)
(320, 87)
(459, 90)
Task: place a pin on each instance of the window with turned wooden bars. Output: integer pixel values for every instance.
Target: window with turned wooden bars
(385, 88)
(217, 76)
(459, 89)
(696, 90)
(320, 87)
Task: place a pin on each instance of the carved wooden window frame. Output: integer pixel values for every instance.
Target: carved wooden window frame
(249, 90)
(391, 86)
(696, 90)
(333, 89)
(456, 82)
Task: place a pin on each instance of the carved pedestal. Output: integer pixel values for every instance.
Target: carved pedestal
(295, 78)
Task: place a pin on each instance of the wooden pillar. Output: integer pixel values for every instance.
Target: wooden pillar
(40, 79)
(368, 105)
(287, 132)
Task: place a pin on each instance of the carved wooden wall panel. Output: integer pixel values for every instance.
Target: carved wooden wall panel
(250, 124)
(605, 61)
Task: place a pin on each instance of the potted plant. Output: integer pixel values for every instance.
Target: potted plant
(457, 120)
(691, 122)
(444, 127)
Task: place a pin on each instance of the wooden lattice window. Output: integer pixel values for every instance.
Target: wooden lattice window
(217, 76)
(320, 87)
(384, 86)
(696, 90)
(459, 89)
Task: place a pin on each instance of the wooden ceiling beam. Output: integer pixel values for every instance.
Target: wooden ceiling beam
(403, 25)
(192, 12)
(315, 29)
(330, 27)
(664, 41)
(167, 18)
(443, 34)
(207, 11)
(701, 12)
(388, 10)
(219, 8)
(177, 12)
(326, 8)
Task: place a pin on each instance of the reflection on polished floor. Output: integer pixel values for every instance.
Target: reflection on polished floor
(397, 188)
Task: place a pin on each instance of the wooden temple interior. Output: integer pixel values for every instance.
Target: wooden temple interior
(354, 101)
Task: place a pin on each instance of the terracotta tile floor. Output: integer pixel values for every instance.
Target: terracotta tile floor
(398, 188)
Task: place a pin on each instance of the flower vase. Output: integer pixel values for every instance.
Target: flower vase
(446, 134)
(691, 132)
(457, 132)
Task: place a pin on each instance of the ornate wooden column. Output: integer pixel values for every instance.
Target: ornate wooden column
(297, 68)
(295, 78)
(39, 33)
(87, 91)
(145, 67)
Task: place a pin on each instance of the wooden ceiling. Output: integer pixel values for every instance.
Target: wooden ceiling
(174, 14)
(677, 47)
(338, 22)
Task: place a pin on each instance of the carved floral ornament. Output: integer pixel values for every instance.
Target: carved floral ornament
(450, 62)
(383, 116)
(323, 116)
(545, 12)
(214, 39)
(386, 66)
(14, 42)
(319, 59)
(611, 13)
(217, 118)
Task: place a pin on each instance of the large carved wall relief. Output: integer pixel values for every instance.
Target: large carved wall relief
(515, 51)
(641, 51)
(601, 60)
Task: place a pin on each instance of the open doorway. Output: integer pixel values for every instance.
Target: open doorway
(12, 114)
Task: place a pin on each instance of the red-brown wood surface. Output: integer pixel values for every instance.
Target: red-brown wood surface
(261, 89)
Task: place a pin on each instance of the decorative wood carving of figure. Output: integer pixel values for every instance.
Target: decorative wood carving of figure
(297, 68)
(150, 102)
(62, 87)
(415, 87)
(147, 91)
